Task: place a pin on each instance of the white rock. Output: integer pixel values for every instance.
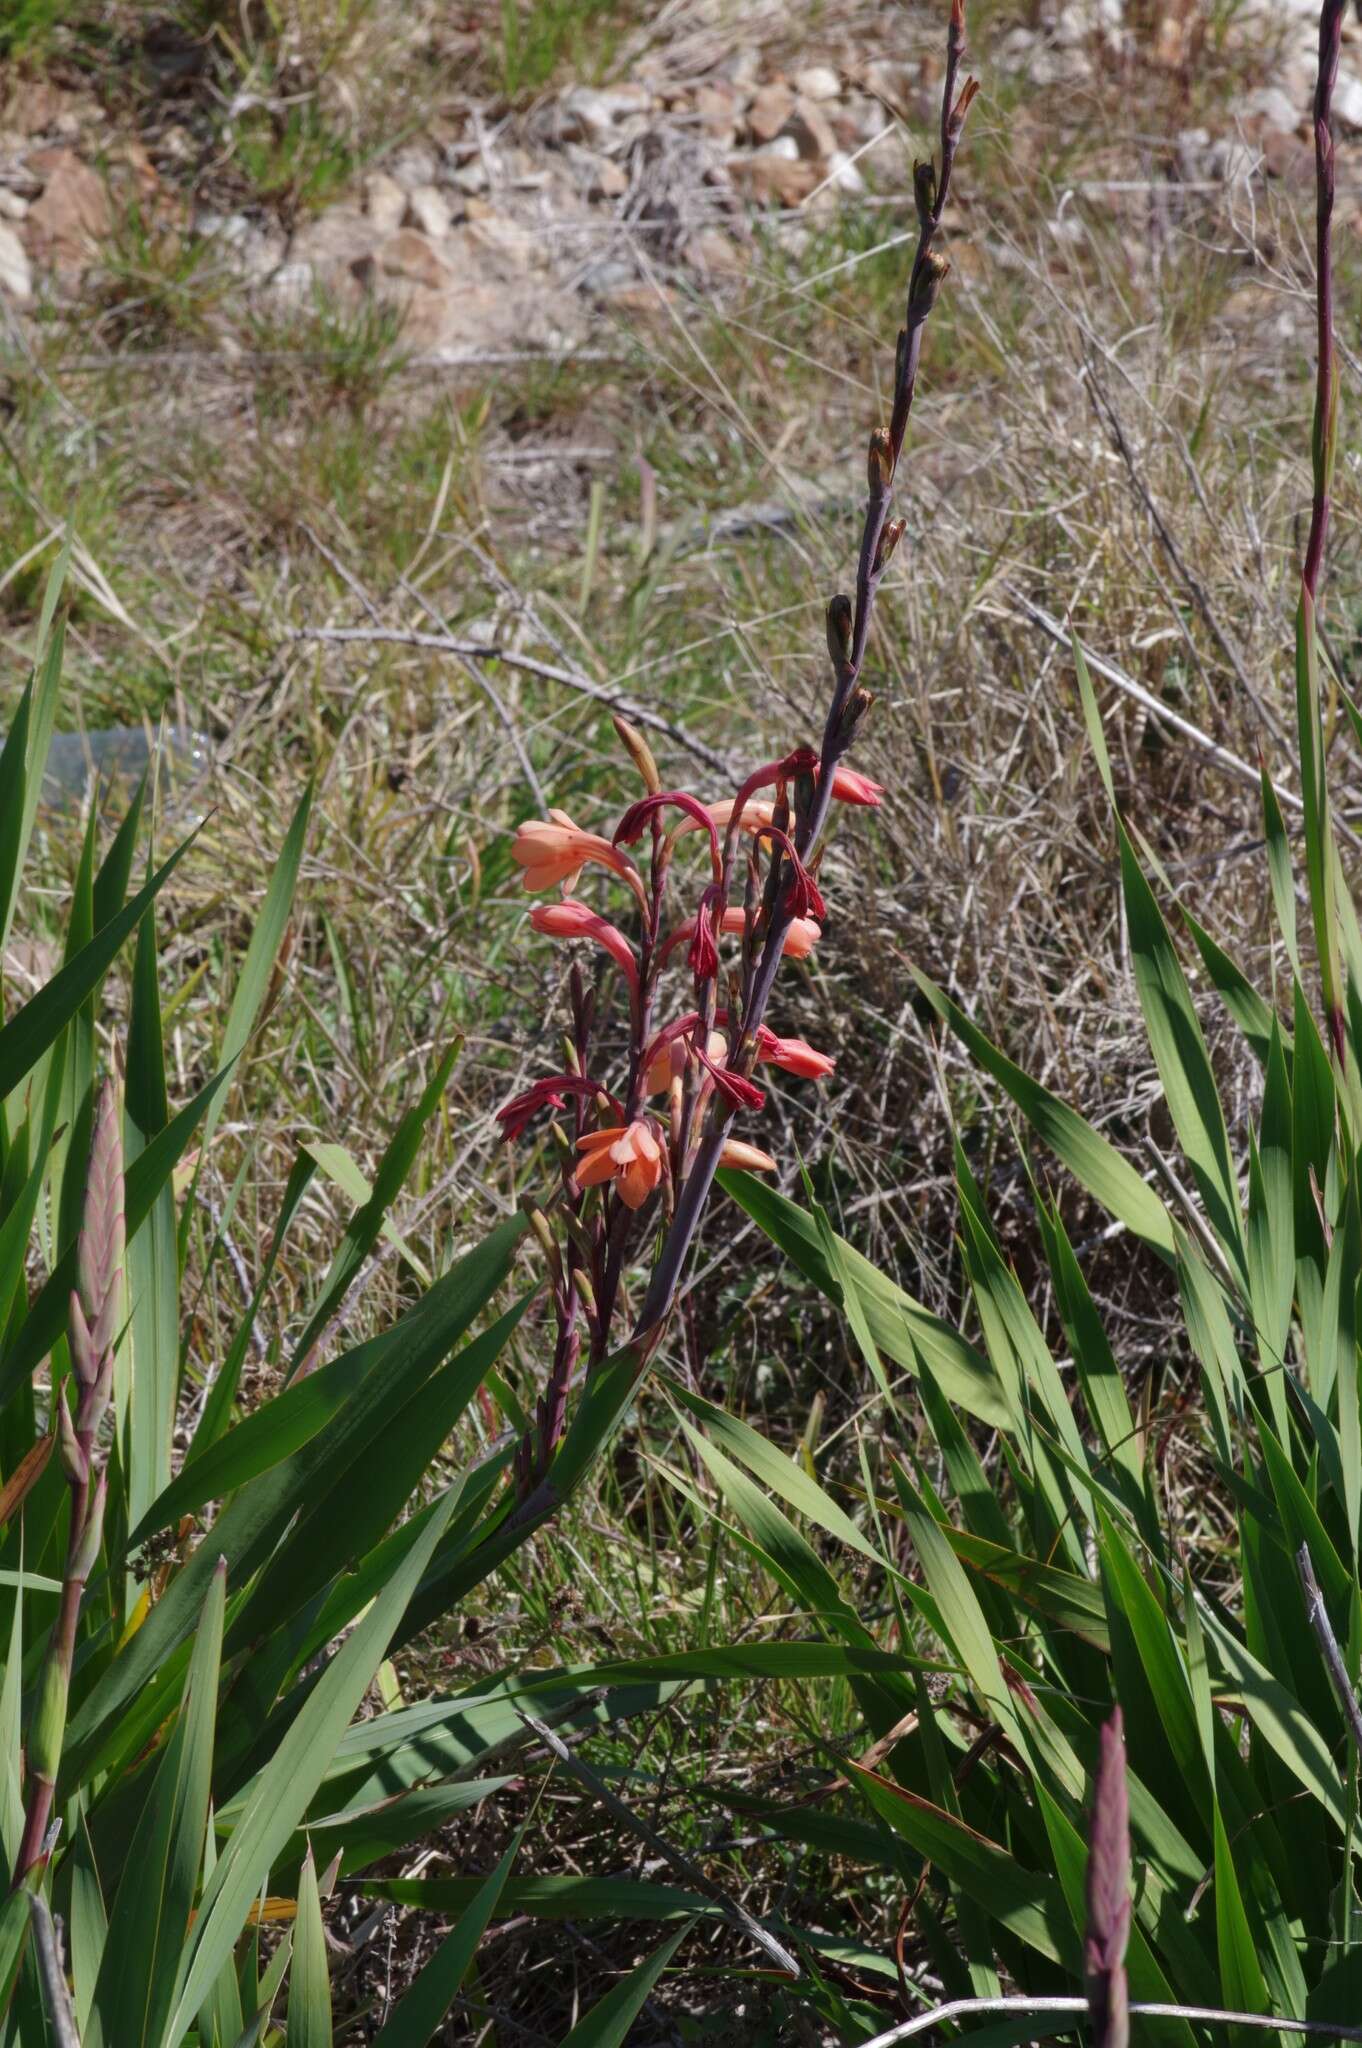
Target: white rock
(1348, 98)
(385, 202)
(429, 210)
(784, 147)
(1276, 108)
(843, 174)
(12, 205)
(472, 176)
(818, 82)
(16, 275)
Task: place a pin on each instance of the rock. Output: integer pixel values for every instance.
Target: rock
(415, 165)
(16, 277)
(602, 118)
(1273, 108)
(430, 211)
(811, 131)
(410, 257)
(1286, 156)
(604, 179)
(818, 82)
(332, 244)
(770, 178)
(1231, 160)
(842, 174)
(769, 112)
(858, 120)
(385, 202)
(73, 213)
(1348, 98)
(719, 107)
(711, 253)
(896, 83)
(472, 176)
(13, 206)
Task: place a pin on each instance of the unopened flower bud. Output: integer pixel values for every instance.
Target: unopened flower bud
(84, 1357)
(924, 190)
(92, 1535)
(74, 1462)
(561, 1140)
(570, 1062)
(880, 461)
(639, 752)
(539, 1224)
(889, 540)
(931, 274)
(840, 620)
(857, 705)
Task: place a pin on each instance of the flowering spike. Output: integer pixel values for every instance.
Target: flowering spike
(1108, 1893)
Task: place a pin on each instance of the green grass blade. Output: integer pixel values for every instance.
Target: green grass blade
(151, 1911)
(309, 1984)
(417, 2019)
(901, 1328)
(368, 1220)
(32, 1029)
(262, 951)
(1180, 1054)
(1092, 1159)
(148, 1376)
(285, 1788)
(608, 2024)
(146, 1176)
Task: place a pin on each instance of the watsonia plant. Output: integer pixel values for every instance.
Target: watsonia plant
(1034, 1562)
(196, 1601)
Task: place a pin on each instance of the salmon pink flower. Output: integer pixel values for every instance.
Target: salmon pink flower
(849, 786)
(629, 1154)
(795, 1055)
(669, 1051)
(555, 850)
(747, 1157)
(800, 940)
(571, 920)
(754, 814)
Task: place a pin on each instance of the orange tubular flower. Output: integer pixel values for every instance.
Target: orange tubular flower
(795, 1055)
(628, 1154)
(735, 1153)
(569, 920)
(754, 814)
(849, 786)
(800, 939)
(555, 850)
